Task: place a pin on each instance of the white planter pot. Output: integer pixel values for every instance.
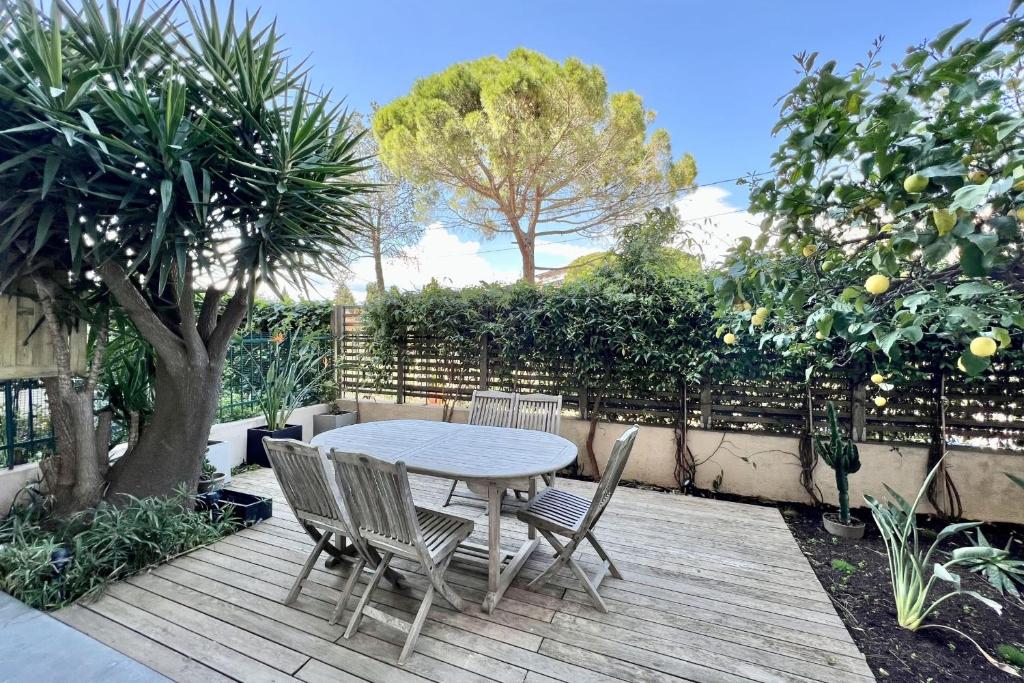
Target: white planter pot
(219, 455)
(329, 421)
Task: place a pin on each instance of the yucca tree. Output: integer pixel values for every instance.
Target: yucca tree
(156, 166)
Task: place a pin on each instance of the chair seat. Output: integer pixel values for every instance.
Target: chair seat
(441, 531)
(556, 510)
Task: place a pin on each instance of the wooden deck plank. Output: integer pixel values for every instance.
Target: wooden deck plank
(702, 599)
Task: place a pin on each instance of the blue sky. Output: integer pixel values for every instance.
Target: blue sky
(711, 70)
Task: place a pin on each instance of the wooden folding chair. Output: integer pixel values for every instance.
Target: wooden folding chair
(490, 409)
(311, 494)
(555, 512)
(379, 499)
(540, 412)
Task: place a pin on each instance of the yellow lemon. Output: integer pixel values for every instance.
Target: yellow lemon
(945, 220)
(746, 306)
(819, 336)
(729, 338)
(977, 176)
(983, 347)
(810, 250)
(761, 312)
(757, 320)
(915, 183)
(880, 401)
(960, 364)
(1020, 214)
(877, 378)
(877, 284)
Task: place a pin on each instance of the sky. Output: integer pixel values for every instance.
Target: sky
(713, 72)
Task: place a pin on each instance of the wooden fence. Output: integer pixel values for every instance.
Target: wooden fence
(989, 414)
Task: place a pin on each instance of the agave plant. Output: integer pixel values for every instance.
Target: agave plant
(913, 573)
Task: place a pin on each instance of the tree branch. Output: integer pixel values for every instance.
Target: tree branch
(150, 326)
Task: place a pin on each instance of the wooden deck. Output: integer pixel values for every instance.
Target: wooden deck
(713, 591)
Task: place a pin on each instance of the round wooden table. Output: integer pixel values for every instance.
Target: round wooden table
(488, 457)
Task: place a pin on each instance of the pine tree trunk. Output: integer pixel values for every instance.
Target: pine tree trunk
(169, 453)
(529, 264)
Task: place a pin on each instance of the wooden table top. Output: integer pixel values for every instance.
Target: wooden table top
(455, 451)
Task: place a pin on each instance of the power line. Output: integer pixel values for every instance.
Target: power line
(441, 226)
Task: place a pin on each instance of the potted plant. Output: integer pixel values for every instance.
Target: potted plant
(841, 454)
(294, 371)
(334, 418)
(210, 479)
(218, 454)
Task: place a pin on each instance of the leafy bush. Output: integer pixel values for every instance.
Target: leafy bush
(50, 563)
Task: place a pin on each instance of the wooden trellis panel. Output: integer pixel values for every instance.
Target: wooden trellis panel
(26, 349)
(985, 413)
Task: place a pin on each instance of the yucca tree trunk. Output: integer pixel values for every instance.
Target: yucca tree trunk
(75, 475)
(190, 353)
(170, 450)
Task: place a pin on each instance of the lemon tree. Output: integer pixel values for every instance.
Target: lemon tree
(892, 224)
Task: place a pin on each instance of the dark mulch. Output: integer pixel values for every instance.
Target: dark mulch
(863, 598)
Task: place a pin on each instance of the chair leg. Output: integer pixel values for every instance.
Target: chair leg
(565, 554)
(549, 479)
(560, 560)
(357, 616)
(417, 624)
(437, 581)
(307, 568)
(350, 584)
(451, 492)
(603, 555)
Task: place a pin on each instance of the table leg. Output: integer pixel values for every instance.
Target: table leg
(532, 532)
(493, 542)
(498, 579)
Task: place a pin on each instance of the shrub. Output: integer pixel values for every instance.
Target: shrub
(48, 563)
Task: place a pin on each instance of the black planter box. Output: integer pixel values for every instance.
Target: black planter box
(245, 507)
(255, 454)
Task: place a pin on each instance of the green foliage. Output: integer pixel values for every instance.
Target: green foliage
(270, 317)
(638, 330)
(843, 566)
(843, 456)
(1013, 655)
(998, 568)
(105, 545)
(516, 143)
(296, 369)
(912, 578)
(915, 175)
(642, 245)
(141, 152)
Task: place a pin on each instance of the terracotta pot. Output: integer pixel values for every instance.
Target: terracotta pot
(852, 531)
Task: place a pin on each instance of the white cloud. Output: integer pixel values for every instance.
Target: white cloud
(717, 221)
(559, 253)
(439, 255)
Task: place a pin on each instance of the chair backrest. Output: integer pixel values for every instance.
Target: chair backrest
(540, 412)
(492, 408)
(302, 474)
(612, 474)
(379, 500)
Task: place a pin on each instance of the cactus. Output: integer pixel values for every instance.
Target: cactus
(841, 454)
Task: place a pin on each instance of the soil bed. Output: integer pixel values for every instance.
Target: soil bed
(856, 576)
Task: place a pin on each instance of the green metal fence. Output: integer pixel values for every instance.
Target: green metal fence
(26, 434)
(25, 431)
